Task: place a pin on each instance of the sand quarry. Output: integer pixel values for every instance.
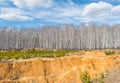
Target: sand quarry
(67, 69)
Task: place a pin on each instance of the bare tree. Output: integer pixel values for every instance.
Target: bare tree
(90, 36)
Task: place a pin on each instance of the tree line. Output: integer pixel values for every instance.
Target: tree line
(90, 36)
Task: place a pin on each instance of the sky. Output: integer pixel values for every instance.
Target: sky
(30, 13)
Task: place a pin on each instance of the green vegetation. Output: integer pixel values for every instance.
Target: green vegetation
(85, 77)
(118, 52)
(16, 54)
(109, 52)
(99, 79)
(102, 78)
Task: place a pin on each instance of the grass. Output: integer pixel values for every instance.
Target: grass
(109, 52)
(31, 53)
(85, 77)
(100, 79)
(118, 52)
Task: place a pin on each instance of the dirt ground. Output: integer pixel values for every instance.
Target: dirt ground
(113, 77)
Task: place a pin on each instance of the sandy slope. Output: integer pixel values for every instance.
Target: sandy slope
(57, 70)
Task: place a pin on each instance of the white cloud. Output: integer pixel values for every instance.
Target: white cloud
(69, 12)
(33, 3)
(97, 9)
(116, 10)
(101, 12)
(70, 1)
(43, 14)
(60, 20)
(59, 12)
(13, 14)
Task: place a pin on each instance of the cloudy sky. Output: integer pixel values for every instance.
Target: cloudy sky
(52, 12)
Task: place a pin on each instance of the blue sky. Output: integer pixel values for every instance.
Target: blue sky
(22, 13)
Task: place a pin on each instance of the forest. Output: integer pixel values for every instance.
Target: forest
(83, 36)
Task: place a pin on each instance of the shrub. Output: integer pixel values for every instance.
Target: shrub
(85, 77)
(31, 53)
(102, 78)
(99, 79)
(109, 52)
(118, 52)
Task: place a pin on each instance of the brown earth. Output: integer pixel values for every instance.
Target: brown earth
(57, 70)
(113, 77)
